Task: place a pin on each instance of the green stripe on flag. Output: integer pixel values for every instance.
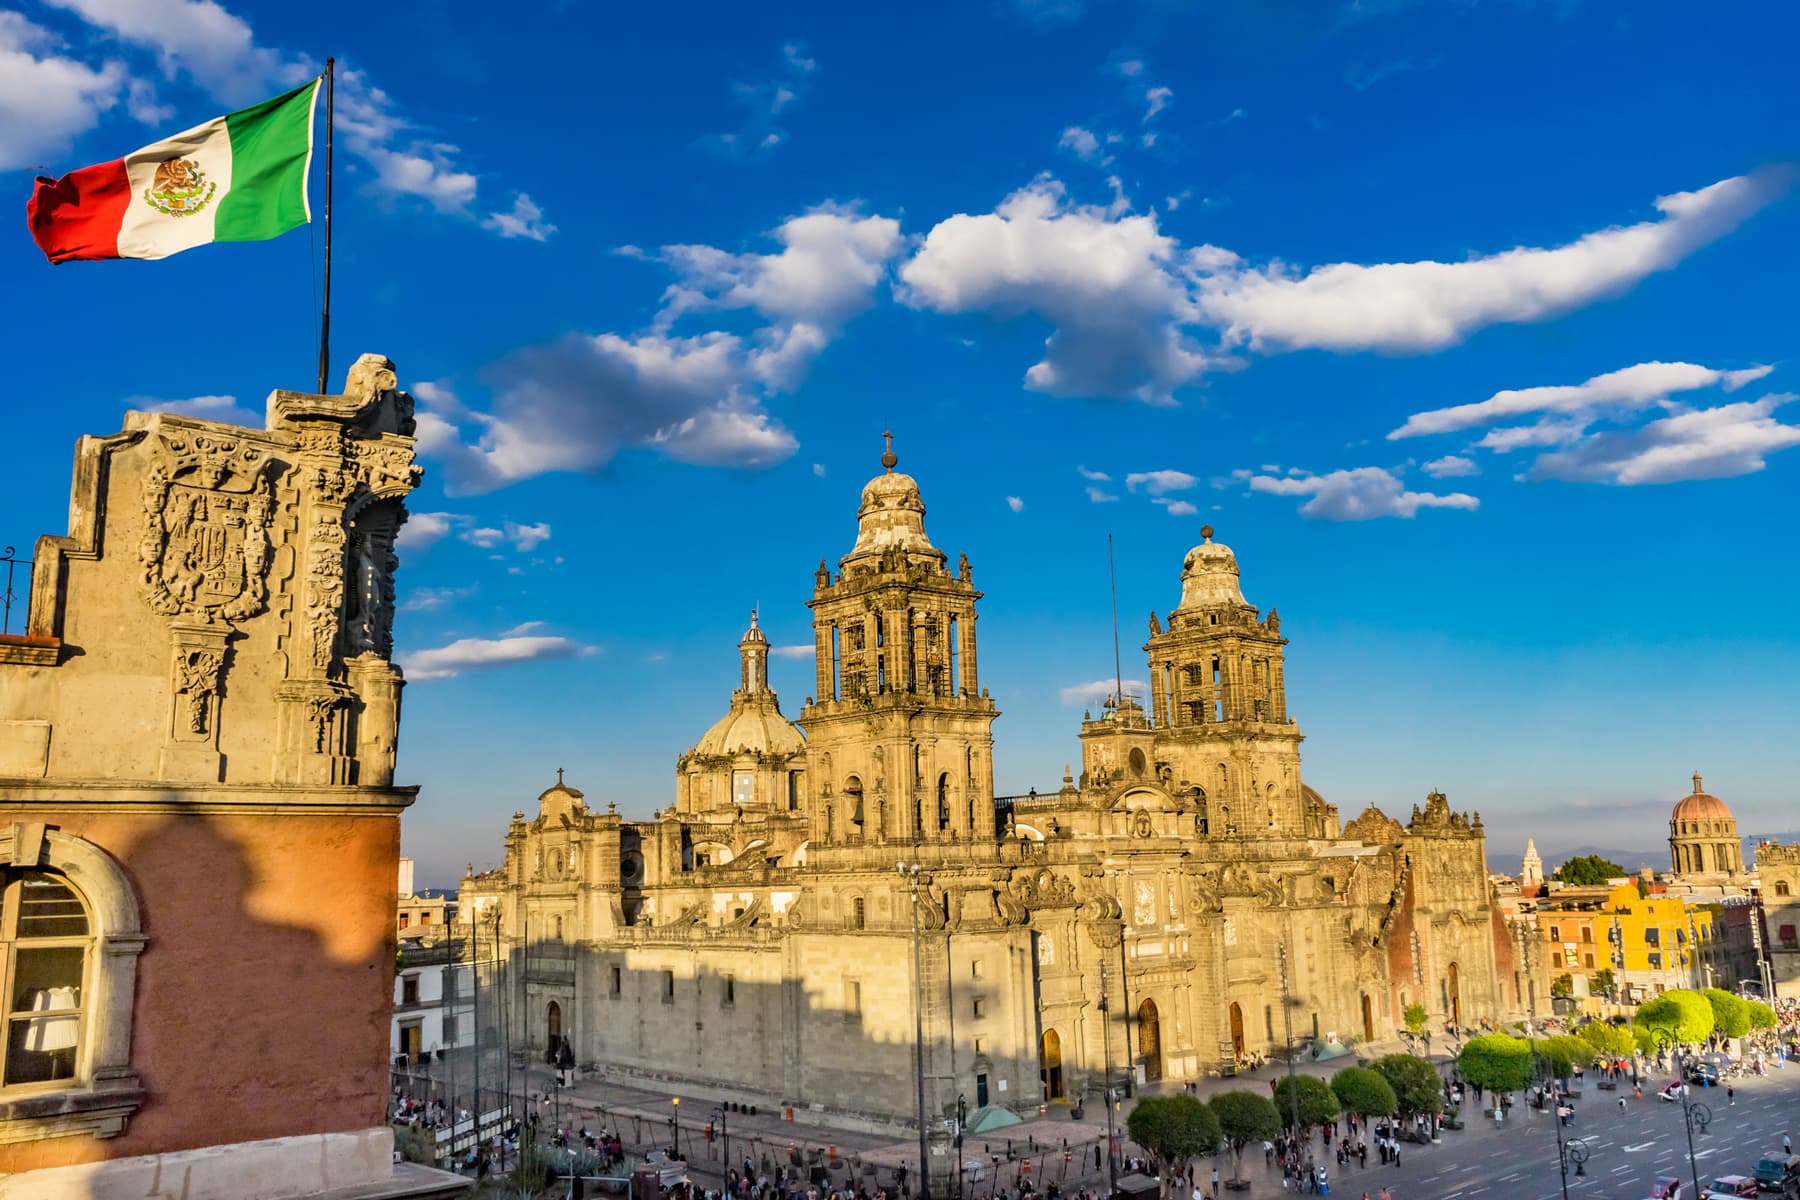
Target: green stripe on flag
(271, 148)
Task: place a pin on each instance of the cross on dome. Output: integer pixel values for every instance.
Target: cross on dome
(888, 458)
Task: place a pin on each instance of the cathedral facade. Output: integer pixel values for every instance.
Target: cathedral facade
(812, 901)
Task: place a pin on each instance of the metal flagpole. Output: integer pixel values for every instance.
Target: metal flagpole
(325, 311)
(1118, 670)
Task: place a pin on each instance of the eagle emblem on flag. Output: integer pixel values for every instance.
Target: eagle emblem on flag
(180, 188)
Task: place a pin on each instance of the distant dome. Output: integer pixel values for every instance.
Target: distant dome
(755, 727)
(1699, 806)
(1209, 576)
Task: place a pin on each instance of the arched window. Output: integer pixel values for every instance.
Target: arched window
(1138, 765)
(853, 794)
(70, 936)
(857, 913)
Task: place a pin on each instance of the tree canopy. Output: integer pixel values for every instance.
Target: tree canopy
(1414, 1015)
(1496, 1062)
(1417, 1088)
(1587, 870)
(1682, 1014)
(1365, 1092)
(1244, 1116)
(1580, 1051)
(1603, 981)
(1614, 1041)
(1174, 1129)
(1551, 1058)
(1731, 1014)
(1761, 1015)
(1317, 1105)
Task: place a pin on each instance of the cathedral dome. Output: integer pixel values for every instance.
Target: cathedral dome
(1209, 575)
(1699, 806)
(891, 515)
(560, 790)
(758, 728)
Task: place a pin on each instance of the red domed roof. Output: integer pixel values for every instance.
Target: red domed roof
(1699, 806)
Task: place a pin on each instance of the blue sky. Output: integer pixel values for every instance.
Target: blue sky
(1470, 326)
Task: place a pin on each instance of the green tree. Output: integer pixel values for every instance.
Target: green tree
(1588, 870)
(1365, 1092)
(1682, 1014)
(1317, 1105)
(1244, 1116)
(1496, 1062)
(1761, 1015)
(1417, 1088)
(1731, 1015)
(1562, 985)
(1603, 981)
(1415, 1016)
(1580, 1051)
(1174, 1129)
(1613, 1041)
(1551, 1059)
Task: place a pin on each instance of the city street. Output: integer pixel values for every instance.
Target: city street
(1517, 1160)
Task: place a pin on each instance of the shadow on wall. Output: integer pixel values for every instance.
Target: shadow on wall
(248, 1023)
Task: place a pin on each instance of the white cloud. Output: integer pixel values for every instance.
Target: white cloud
(526, 538)
(468, 654)
(805, 650)
(1711, 443)
(1157, 99)
(206, 408)
(485, 537)
(1049, 12)
(1360, 494)
(406, 161)
(1099, 691)
(46, 99)
(819, 470)
(1176, 508)
(1085, 145)
(1097, 496)
(199, 38)
(422, 529)
(141, 103)
(1451, 466)
(1131, 68)
(1159, 482)
(1093, 476)
(1015, 503)
(1630, 388)
(433, 599)
(526, 220)
(571, 405)
(1105, 280)
(762, 103)
(1424, 306)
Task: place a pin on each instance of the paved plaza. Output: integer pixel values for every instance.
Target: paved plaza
(1515, 1160)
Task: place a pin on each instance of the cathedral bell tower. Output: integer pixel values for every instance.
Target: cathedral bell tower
(1218, 696)
(900, 735)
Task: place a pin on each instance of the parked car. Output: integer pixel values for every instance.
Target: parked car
(1666, 1187)
(1778, 1173)
(1704, 1073)
(1727, 1186)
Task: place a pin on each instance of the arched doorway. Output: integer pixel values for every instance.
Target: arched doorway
(1237, 1030)
(1455, 997)
(1149, 1040)
(552, 1030)
(1368, 1011)
(1050, 1065)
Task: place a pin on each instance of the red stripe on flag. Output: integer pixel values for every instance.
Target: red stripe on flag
(79, 215)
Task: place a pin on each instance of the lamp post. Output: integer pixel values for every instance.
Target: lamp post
(962, 1119)
(724, 1136)
(1287, 1029)
(910, 873)
(1692, 1115)
(675, 1127)
(1575, 1150)
(1112, 1167)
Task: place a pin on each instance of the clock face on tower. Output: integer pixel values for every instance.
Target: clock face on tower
(743, 787)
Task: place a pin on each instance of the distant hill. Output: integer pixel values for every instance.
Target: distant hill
(1555, 856)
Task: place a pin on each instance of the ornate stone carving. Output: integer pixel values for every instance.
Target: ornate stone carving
(196, 680)
(205, 546)
(324, 589)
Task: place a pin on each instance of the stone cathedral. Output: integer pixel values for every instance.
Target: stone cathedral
(756, 937)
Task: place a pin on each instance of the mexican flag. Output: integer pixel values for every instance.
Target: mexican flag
(237, 178)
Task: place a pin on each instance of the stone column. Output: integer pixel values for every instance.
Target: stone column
(823, 664)
(1278, 689)
(971, 680)
(199, 650)
(1158, 694)
(898, 623)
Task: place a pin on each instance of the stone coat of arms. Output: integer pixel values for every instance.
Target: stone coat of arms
(205, 548)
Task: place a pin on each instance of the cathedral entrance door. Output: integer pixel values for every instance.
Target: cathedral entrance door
(1150, 1040)
(981, 1090)
(1237, 1030)
(1051, 1066)
(552, 1030)
(1368, 1010)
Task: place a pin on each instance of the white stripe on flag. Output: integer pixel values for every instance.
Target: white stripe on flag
(150, 232)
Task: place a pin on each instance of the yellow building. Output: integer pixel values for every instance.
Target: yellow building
(1658, 942)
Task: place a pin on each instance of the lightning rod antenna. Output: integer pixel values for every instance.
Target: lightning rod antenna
(1118, 670)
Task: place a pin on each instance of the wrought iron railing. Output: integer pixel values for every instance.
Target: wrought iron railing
(13, 563)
